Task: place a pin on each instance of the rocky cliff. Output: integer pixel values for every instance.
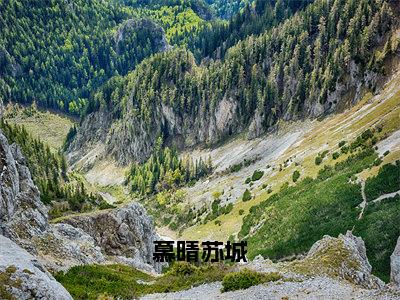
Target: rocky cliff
(124, 234)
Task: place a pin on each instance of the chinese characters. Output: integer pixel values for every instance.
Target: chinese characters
(212, 251)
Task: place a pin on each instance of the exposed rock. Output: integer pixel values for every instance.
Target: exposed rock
(142, 27)
(23, 277)
(125, 231)
(63, 246)
(22, 214)
(343, 257)
(395, 266)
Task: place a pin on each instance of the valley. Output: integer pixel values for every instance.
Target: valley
(273, 122)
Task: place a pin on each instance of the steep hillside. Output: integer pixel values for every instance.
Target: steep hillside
(57, 53)
(288, 72)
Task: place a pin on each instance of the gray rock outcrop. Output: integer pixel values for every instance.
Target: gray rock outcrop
(395, 266)
(23, 277)
(343, 257)
(22, 214)
(125, 233)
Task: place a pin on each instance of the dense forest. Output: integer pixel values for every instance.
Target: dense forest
(287, 70)
(56, 53)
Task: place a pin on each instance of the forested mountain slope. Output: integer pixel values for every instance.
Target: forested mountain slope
(318, 61)
(58, 52)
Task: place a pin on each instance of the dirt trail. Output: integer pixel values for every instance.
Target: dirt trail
(363, 204)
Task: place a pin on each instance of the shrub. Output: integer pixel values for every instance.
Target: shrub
(342, 143)
(344, 149)
(318, 160)
(246, 195)
(216, 195)
(335, 155)
(217, 222)
(235, 168)
(248, 180)
(367, 134)
(257, 175)
(241, 212)
(377, 161)
(295, 176)
(386, 153)
(245, 279)
(227, 209)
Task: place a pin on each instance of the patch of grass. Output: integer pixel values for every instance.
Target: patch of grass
(380, 230)
(289, 216)
(119, 281)
(51, 128)
(246, 278)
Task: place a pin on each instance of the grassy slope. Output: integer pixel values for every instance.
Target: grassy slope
(383, 109)
(49, 127)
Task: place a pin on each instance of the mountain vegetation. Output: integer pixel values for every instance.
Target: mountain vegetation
(298, 68)
(164, 170)
(56, 53)
(49, 173)
(289, 227)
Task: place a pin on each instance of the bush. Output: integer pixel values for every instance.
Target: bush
(217, 222)
(246, 195)
(296, 175)
(235, 168)
(344, 149)
(245, 279)
(335, 155)
(248, 180)
(216, 195)
(367, 134)
(227, 209)
(386, 153)
(342, 143)
(318, 160)
(257, 175)
(241, 212)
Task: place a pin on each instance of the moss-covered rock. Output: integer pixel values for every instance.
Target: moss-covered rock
(343, 257)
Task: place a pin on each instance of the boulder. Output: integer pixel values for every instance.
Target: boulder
(395, 266)
(343, 257)
(23, 277)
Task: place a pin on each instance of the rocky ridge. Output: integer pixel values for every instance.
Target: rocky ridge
(334, 268)
(122, 235)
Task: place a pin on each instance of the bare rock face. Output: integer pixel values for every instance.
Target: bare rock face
(125, 233)
(343, 257)
(22, 214)
(63, 246)
(395, 266)
(23, 277)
